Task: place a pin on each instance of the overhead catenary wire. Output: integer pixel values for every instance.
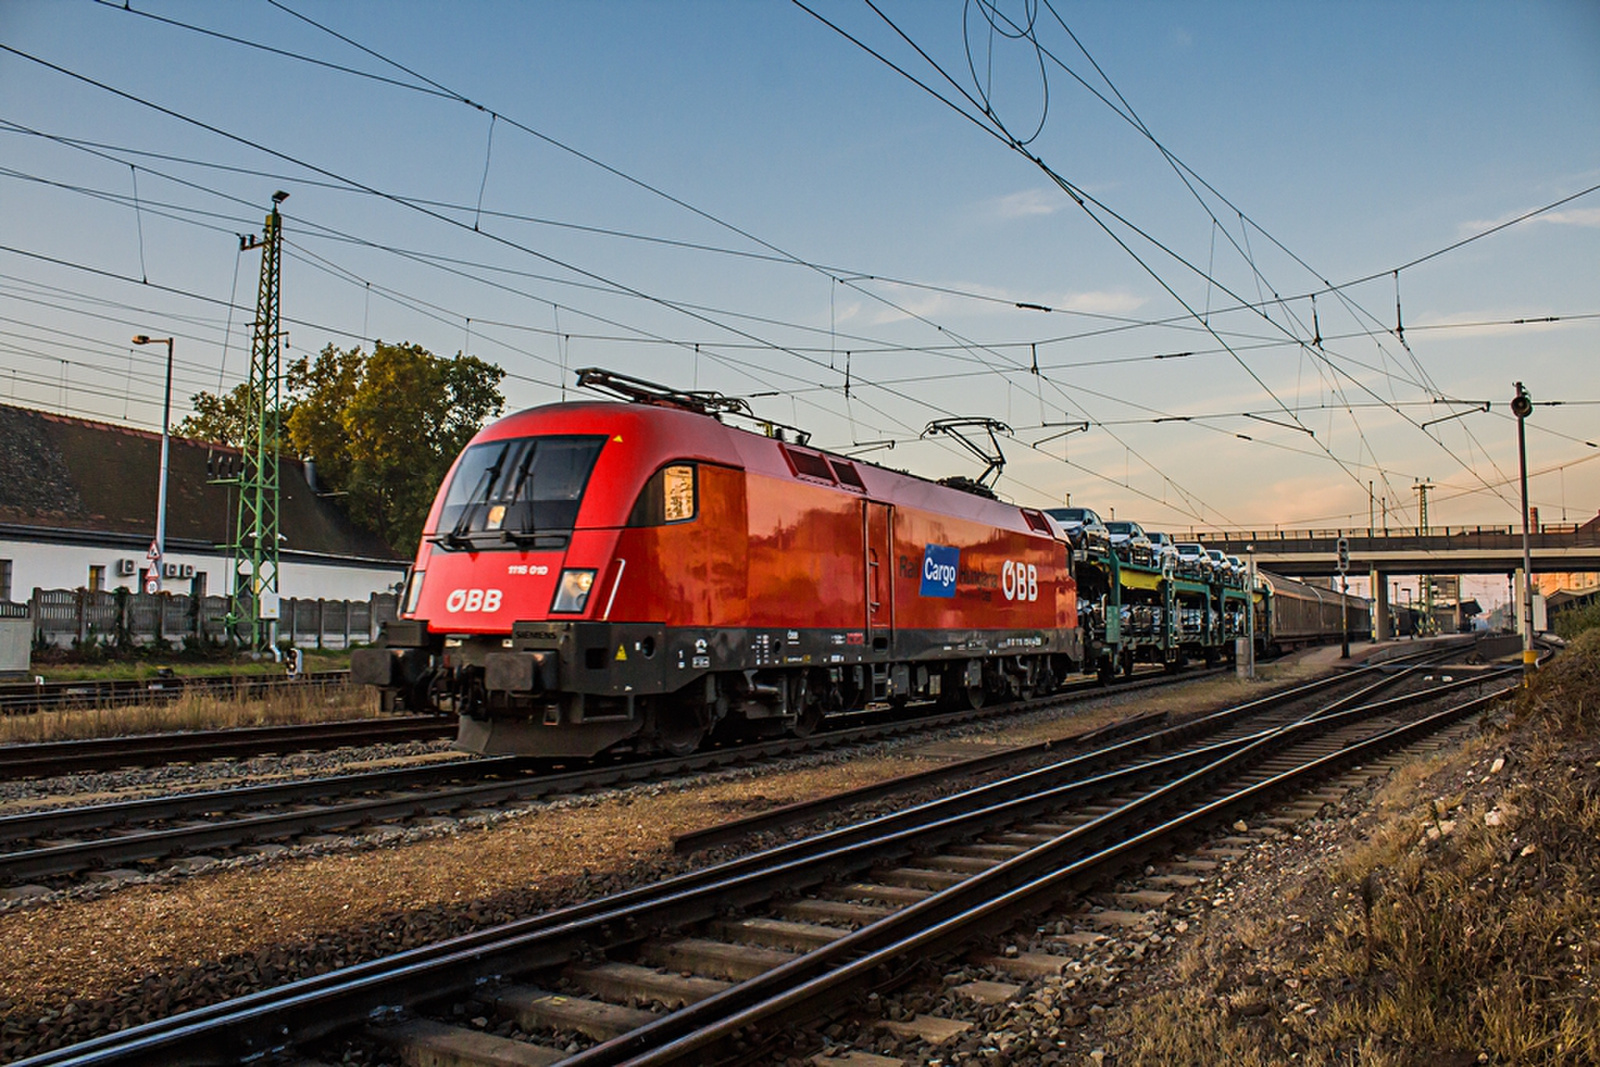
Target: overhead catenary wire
(1124, 322)
(437, 86)
(991, 124)
(254, 145)
(576, 333)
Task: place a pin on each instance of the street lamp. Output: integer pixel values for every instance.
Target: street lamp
(1522, 407)
(158, 547)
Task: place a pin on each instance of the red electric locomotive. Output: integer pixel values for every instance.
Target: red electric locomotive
(600, 576)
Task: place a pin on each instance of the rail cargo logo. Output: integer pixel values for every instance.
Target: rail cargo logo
(940, 565)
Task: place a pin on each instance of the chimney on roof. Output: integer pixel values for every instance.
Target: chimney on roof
(311, 473)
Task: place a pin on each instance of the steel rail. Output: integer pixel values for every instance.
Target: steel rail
(258, 1023)
(51, 759)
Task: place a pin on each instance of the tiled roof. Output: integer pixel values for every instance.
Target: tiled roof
(58, 472)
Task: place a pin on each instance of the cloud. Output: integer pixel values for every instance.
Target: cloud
(1583, 216)
(1588, 217)
(1101, 303)
(1027, 204)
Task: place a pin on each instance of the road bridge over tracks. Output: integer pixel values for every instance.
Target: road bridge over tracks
(1563, 547)
(1380, 552)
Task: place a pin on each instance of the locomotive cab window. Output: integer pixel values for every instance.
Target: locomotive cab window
(525, 491)
(671, 495)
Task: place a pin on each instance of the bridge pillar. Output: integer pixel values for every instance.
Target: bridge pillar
(1381, 630)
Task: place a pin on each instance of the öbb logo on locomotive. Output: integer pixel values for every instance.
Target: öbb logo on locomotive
(1019, 580)
(461, 600)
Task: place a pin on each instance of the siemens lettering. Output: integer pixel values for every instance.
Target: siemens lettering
(940, 563)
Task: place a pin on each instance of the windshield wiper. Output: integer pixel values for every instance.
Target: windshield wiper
(457, 537)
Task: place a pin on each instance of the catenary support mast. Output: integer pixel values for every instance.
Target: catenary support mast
(255, 545)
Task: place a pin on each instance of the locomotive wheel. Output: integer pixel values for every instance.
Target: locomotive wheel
(810, 705)
(680, 726)
(806, 723)
(957, 695)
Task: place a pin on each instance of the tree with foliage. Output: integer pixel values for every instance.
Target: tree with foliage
(221, 418)
(383, 428)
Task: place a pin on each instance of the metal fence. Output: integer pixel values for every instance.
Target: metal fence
(65, 617)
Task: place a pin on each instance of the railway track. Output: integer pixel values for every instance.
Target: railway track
(130, 838)
(19, 698)
(792, 933)
(105, 838)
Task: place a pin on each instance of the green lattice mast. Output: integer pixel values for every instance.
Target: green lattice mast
(255, 539)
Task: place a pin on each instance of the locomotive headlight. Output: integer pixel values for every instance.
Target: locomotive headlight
(413, 592)
(572, 591)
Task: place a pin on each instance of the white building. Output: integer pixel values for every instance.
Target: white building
(78, 510)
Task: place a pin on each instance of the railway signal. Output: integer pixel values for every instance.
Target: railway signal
(1522, 407)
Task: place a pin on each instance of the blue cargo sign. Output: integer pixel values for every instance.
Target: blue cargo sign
(940, 563)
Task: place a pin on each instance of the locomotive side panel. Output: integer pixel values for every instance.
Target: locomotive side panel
(955, 574)
(807, 559)
(692, 572)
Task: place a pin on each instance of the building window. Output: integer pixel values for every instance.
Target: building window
(5, 579)
(97, 578)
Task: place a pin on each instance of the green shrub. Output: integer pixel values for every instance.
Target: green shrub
(1574, 621)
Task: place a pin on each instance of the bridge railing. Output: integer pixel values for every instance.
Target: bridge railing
(1546, 535)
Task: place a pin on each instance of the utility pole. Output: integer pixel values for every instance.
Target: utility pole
(1250, 609)
(158, 547)
(255, 540)
(1522, 407)
(1343, 563)
(1421, 488)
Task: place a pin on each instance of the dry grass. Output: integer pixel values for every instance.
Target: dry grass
(191, 711)
(1464, 928)
(53, 668)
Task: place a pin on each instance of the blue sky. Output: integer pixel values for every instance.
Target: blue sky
(849, 225)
